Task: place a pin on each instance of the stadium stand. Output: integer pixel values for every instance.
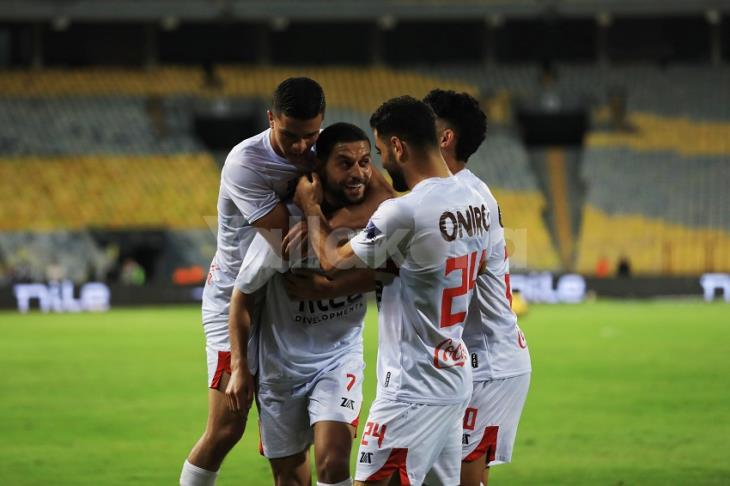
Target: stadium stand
(113, 148)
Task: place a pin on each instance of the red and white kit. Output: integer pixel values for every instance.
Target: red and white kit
(253, 181)
(438, 234)
(499, 356)
(310, 362)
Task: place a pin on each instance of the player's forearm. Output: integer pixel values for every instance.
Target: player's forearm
(350, 282)
(239, 325)
(319, 233)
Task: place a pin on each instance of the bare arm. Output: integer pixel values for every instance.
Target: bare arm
(358, 215)
(332, 257)
(312, 285)
(239, 392)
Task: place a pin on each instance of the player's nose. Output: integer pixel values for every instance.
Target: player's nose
(357, 173)
(300, 147)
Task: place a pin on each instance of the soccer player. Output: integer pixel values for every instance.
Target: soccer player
(257, 174)
(310, 362)
(437, 234)
(499, 357)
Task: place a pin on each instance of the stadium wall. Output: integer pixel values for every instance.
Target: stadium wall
(535, 287)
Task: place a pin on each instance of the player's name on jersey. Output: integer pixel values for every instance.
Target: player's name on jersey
(458, 224)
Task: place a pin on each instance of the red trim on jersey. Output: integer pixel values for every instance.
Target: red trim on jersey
(224, 364)
(488, 445)
(506, 279)
(508, 292)
(396, 461)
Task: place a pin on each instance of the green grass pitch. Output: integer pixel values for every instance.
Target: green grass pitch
(626, 393)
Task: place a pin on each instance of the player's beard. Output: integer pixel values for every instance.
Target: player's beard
(394, 171)
(338, 193)
(398, 179)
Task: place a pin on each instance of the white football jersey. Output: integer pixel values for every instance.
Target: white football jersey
(253, 181)
(437, 234)
(496, 344)
(297, 339)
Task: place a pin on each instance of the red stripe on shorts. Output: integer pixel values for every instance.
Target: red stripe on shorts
(261, 441)
(396, 461)
(224, 364)
(488, 445)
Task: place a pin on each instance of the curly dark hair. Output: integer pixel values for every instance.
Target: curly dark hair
(408, 118)
(462, 112)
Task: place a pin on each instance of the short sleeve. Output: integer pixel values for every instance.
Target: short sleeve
(248, 189)
(261, 263)
(387, 235)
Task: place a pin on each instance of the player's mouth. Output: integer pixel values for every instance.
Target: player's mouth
(355, 188)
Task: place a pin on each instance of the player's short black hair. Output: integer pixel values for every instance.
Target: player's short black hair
(408, 119)
(300, 98)
(338, 133)
(463, 114)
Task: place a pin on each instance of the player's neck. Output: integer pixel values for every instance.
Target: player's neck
(432, 165)
(455, 166)
(329, 205)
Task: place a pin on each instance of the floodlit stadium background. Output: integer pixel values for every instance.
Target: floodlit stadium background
(608, 148)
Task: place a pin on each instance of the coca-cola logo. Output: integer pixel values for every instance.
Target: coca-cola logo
(447, 354)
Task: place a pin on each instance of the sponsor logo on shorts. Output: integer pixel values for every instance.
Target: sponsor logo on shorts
(366, 458)
(347, 403)
(387, 380)
(474, 360)
(447, 354)
(465, 439)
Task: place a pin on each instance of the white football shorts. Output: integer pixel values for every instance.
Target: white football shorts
(287, 414)
(407, 439)
(489, 423)
(491, 419)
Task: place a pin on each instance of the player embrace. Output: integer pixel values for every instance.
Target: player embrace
(310, 356)
(439, 236)
(258, 173)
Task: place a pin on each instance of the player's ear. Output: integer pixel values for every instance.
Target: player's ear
(398, 148)
(447, 138)
(270, 115)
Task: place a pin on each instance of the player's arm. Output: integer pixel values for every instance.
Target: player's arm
(260, 264)
(358, 215)
(332, 257)
(274, 225)
(313, 285)
(239, 392)
(256, 200)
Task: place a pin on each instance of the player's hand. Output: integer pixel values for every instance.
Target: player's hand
(294, 243)
(239, 392)
(307, 284)
(309, 192)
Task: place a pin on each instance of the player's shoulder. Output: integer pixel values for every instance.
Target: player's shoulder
(252, 152)
(480, 186)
